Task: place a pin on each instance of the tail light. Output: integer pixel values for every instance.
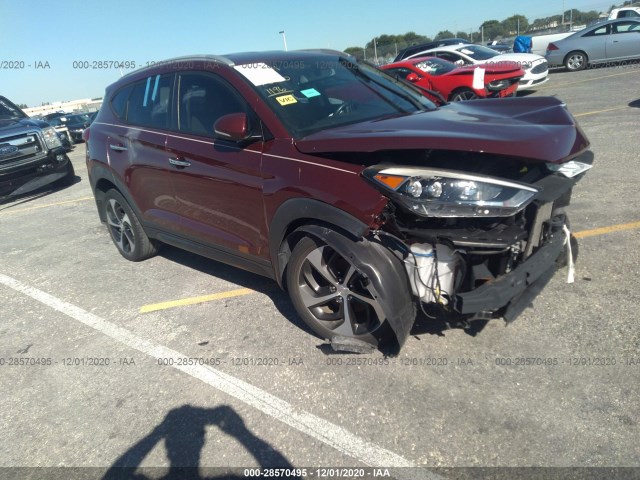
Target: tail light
(85, 134)
(552, 47)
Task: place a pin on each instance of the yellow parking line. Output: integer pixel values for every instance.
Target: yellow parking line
(247, 291)
(568, 84)
(195, 300)
(600, 111)
(605, 230)
(20, 210)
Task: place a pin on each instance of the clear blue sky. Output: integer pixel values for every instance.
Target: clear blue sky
(63, 31)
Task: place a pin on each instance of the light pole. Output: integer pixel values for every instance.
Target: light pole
(284, 39)
(375, 52)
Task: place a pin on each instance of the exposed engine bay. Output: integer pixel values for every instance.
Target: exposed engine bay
(478, 235)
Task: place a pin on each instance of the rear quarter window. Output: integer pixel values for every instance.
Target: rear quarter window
(146, 103)
(149, 102)
(119, 102)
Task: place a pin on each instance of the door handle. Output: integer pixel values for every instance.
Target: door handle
(179, 163)
(118, 148)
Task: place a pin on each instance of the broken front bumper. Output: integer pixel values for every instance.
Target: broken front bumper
(510, 287)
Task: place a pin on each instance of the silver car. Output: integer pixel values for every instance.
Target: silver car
(609, 41)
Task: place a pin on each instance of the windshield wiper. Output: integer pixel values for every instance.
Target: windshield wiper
(429, 91)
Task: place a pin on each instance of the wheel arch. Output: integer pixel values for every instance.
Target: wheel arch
(101, 182)
(586, 58)
(284, 231)
(384, 269)
(460, 90)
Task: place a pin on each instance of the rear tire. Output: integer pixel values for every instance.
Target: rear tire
(125, 229)
(576, 61)
(331, 296)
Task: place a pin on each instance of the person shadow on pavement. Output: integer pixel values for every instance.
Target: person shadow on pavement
(183, 431)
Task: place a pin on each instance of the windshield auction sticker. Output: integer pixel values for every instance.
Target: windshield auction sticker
(259, 73)
(310, 92)
(286, 100)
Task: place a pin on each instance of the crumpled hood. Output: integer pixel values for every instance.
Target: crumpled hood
(537, 128)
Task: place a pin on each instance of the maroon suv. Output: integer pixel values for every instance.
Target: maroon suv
(348, 188)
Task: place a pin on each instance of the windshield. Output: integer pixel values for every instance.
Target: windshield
(435, 66)
(79, 118)
(8, 111)
(318, 93)
(478, 52)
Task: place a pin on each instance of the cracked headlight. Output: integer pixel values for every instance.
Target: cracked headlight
(51, 138)
(498, 85)
(444, 193)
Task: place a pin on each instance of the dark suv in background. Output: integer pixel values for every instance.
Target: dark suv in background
(348, 188)
(31, 154)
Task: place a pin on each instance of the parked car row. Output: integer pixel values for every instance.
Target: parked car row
(343, 184)
(536, 68)
(75, 123)
(32, 154)
(615, 40)
(454, 83)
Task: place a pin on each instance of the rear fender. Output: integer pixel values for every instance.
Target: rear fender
(100, 174)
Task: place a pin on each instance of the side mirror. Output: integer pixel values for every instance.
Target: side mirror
(459, 62)
(233, 127)
(413, 77)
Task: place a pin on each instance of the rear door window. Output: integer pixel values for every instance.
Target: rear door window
(625, 27)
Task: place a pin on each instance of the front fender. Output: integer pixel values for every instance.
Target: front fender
(305, 210)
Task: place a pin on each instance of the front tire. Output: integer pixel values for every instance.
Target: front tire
(576, 61)
(463, 94)
(331, 295)
(70, 176)
(125, 229)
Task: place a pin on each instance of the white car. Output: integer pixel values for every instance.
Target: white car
(626, 12)
(536, 67)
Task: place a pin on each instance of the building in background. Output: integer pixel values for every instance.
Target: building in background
(73, 106)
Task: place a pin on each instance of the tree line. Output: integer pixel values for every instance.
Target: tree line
(387, 46)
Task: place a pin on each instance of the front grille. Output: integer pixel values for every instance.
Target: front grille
(19, 149)
(541, 68)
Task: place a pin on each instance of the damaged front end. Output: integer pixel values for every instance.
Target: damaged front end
(482, 239)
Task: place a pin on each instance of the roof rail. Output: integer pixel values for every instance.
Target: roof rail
(184, 58)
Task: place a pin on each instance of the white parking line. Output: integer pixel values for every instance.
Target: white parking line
(316, 427)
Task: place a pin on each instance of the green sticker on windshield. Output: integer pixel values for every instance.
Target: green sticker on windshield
(310, 92)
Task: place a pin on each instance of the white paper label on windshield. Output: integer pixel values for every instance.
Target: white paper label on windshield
(478, 78)
(466, 51)
(259, 73)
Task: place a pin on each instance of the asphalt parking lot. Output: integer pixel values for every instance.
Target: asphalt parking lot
(182, 361)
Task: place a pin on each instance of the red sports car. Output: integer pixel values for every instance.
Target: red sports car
(456, 83)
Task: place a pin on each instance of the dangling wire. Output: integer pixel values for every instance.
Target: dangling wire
(570, 264)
